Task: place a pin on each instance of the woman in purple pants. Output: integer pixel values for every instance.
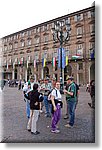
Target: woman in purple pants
(56, 107)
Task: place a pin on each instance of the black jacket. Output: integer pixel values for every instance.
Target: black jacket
(35, 99)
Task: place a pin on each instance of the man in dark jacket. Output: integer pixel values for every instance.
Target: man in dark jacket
(35, 98)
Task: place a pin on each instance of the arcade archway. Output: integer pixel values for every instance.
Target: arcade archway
(45, 72)
(28, 73)
(15, 73)
(92, 72)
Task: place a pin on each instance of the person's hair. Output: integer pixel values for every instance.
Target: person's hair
(35, 86)
(57, 82)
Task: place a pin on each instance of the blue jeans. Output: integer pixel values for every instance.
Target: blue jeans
(47, 105)
(27, 109)
(71, 109)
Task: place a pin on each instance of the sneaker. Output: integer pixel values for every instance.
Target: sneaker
(68, 126)
(55, 131)
(29, 130)
(41, 111)
(48, 116)
(35, 133)
(66, 117)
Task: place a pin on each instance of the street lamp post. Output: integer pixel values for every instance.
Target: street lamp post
(60, 33)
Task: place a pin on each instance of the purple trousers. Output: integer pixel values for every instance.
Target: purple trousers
(56, 117)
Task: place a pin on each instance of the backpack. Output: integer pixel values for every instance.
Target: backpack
(41, 98)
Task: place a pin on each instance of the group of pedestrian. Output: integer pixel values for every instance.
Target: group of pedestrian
(48, 93)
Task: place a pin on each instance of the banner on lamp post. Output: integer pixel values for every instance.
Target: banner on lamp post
(63, 58)
(59, 53)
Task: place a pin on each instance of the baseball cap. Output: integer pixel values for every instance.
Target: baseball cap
(69, 78)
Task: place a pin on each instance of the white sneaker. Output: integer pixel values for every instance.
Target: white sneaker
(68, 126)
(55, 131)
(41, 111)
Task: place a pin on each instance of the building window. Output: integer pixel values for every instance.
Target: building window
(80, 66)
(37, 40)
(46, 38)
(22, 34)
(52, 25)
(10, 46)
(29, 33)
(45, 27)
(17, 36)
(79, 32)
(16, 45)
(37, 29)
(67, 51)
(4, 40)
(91, 45)
(67, 21)
(79, 46)
(78, 17)
(45, 54)
(55, 53)
(29, 42)
(92, 28)
(22, 43)
(5, 48)
(1, 50)
(8, 39)
(11, 38)
(36, 56)
(79, 52)
(14, 37)
(91, 14)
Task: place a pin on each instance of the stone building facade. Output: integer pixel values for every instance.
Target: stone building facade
(24, 51)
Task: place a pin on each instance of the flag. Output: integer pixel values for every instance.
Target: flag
(34, 63)
(13, 65)
(59, 58)
(44, 62)
(63, 58)
(54, 61)
(22, 61)
(75, 57)
(7, 65)
(27, 63)
(66, 60)
(19, 62)
(15, 60)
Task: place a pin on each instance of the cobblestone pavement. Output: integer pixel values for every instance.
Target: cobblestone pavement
(14, 121)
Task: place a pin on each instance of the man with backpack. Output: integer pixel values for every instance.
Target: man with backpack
(71, 100)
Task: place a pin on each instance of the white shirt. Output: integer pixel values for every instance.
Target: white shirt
(56, 94)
